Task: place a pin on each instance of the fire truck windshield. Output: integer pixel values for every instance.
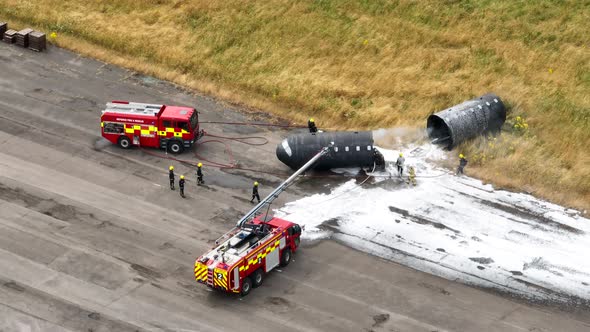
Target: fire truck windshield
(182, 125)
(193, 120)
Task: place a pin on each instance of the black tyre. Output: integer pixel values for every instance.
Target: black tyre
(257, 278)
(246, 286)
(124, 142)
(175, 147)
(286, 257)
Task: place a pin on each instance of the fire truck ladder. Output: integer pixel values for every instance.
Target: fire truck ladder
(283, 186)
(133, 108)
(210, 276)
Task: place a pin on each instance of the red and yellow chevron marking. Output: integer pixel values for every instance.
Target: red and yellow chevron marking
(171, 132)
(262, 254)
(143, 130)
(220, 278)
(200, 272)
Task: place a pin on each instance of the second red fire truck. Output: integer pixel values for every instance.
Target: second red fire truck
(245, 255)
(128, 124)
(253, 248)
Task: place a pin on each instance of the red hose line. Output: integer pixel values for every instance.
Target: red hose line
(232, 164)
(254, 124)
(243, 139)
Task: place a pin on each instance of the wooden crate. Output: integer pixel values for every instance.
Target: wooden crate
(22, 37)
(37, 41)
(3, 28)
(9, 36)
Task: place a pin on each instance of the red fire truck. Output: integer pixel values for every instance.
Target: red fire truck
(247, 254)
(253, 248)
(136, 124)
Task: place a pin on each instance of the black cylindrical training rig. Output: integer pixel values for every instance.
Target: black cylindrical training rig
(467, 120)
(350, 149)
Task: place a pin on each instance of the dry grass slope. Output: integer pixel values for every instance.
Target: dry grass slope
(366, 63)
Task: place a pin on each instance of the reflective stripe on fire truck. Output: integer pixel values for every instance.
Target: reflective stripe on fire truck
(182, 132)
(151, 130)
(236, 288)
(220, 278)
(144, 130)
(262, 254)
(172, 131)
(200, 272)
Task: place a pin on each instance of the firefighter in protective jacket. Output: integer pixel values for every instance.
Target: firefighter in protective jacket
(171, 174)
(255, 193)
(200, 175)
(400, 164)
(181, 186)
(311, 126)
(462, 164)
(412, 176)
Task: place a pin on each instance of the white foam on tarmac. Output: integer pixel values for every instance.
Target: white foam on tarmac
(455, 227)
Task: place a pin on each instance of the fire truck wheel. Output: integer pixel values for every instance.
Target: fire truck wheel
(124, 142)
(246, 286)
(286, 257)
(258, 277)
(175, 146)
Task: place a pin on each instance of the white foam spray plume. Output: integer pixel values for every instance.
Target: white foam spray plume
(454, 227)
(395, 138)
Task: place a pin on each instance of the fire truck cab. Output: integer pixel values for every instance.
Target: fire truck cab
(245, 254)
(127, 124)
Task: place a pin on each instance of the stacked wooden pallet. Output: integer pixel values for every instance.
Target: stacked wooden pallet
(22, 37)
(37, 41)
(9, 36)
(3, 28)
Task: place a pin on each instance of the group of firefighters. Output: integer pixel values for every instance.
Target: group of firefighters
(412, 172)
(200, 181)
(400, 169)
(312, 129)
(400, 160)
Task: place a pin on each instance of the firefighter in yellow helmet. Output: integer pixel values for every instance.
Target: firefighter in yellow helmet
(171, 175)
(255, 193)
(200, 174)
(311, 126)
(400, 164)
(462, 164)
(181, 186)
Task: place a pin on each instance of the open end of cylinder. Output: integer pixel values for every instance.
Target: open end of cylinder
(438, 131)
